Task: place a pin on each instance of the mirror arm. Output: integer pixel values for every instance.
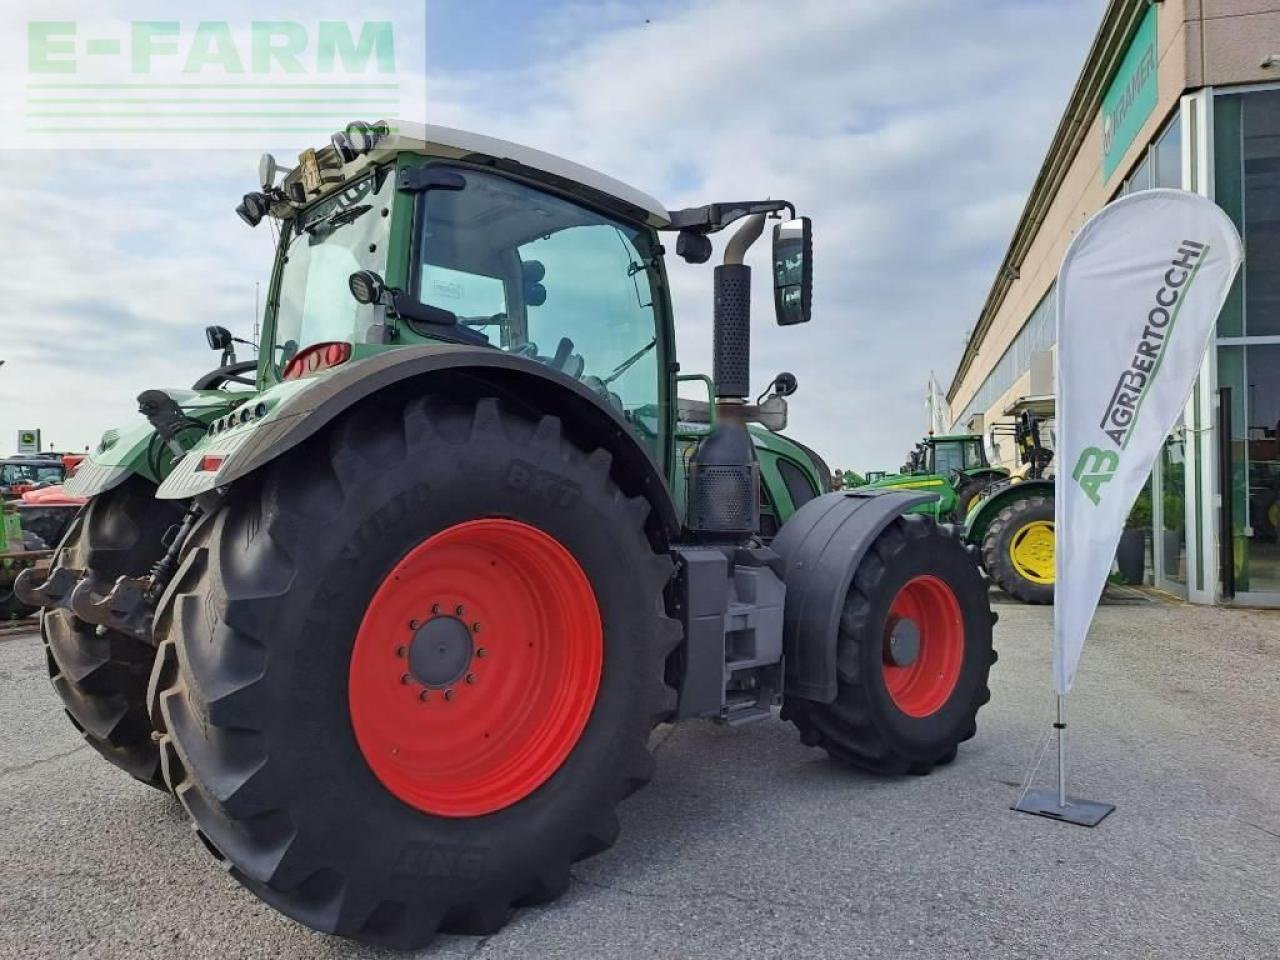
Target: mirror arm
(717, 216)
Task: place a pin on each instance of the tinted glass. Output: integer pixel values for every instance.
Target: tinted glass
(552, 280)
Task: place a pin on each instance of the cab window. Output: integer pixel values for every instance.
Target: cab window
(552, 280)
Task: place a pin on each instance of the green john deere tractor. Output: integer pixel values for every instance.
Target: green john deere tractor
(394, 609)
(1007, 518)
(955, 467)
(1012, 522)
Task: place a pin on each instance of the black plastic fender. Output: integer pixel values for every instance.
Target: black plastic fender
(821, 546)
(525, 381)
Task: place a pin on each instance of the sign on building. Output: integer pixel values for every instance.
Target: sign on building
(1131, 96)
(28, 441)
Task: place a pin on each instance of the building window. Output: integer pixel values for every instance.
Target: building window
(1039, 333)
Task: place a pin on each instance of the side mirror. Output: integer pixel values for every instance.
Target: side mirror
(366, 286)
(793, 271)
(219, 338)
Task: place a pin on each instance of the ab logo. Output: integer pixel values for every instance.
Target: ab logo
(1094, 468)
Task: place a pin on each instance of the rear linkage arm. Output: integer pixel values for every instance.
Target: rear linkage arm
(128, 605)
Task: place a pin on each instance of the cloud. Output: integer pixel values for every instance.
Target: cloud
(910, 132)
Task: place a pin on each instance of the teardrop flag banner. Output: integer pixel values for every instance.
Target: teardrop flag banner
(1139, 293)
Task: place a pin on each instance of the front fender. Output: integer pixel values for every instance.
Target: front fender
(288, 413)
(996, 499)
(822, 545)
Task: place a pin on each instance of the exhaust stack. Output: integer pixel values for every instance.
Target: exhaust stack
(724, 477)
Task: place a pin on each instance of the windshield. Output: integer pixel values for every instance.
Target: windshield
(560, 283)
(325, 245)
(949, 455)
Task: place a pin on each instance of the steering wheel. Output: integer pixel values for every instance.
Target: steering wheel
(232, 373)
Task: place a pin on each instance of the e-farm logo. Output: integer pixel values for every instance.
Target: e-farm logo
(209, 83)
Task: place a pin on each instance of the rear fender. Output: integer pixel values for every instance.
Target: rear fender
(983, 512)
(822, 546)
(293, 411)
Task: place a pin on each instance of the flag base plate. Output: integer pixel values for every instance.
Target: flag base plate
(1044, 803)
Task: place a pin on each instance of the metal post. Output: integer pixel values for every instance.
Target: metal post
(1056, 804)
(1061, 727)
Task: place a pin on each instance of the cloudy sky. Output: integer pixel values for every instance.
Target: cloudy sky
(910, 130)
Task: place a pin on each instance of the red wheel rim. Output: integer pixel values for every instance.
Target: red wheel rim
(475, 668)
(925, 613)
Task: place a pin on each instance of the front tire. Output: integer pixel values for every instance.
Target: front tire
(290, 666)
(913, 655)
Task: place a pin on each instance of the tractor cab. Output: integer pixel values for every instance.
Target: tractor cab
(958, 453)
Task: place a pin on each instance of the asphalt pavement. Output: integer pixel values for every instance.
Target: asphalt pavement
(747, 844)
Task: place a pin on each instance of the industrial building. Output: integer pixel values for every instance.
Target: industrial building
(1173, 93)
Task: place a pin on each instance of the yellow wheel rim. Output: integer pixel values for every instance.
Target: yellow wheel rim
(1031, 551)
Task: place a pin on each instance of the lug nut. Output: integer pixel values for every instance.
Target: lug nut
(424, 695)
(448, 694)
(458, 610)
(401, 651)
(470, 678)
(435, 608)
(405, 678)
(414, 624)
(475, 628)
(481, 653)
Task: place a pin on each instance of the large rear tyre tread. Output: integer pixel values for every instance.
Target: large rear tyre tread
(272, 774)
(862, 727)
(101, 675)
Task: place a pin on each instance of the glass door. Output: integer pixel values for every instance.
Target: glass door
(1246, 151)
(1169, 515)
(1252, 371)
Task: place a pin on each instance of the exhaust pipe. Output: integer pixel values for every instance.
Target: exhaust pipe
(724, 476)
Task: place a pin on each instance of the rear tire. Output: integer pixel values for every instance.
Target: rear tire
(907, 718)
(1017, 550)
(101, 676)
(276, 643)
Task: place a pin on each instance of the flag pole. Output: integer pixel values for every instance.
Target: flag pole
(1055, 804)
(1061, 727)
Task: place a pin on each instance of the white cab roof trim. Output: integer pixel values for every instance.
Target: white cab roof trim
(459, 143)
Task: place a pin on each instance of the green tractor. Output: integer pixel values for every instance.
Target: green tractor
(19, 550)
(1008, 518)
(394, 609)
(955, 467)
(1012, 521)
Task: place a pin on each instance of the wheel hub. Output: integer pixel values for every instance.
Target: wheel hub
(923, 646)
(440, 652)
(476, 667)
(901, 642)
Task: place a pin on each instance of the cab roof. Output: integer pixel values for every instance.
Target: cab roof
(460, 145)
